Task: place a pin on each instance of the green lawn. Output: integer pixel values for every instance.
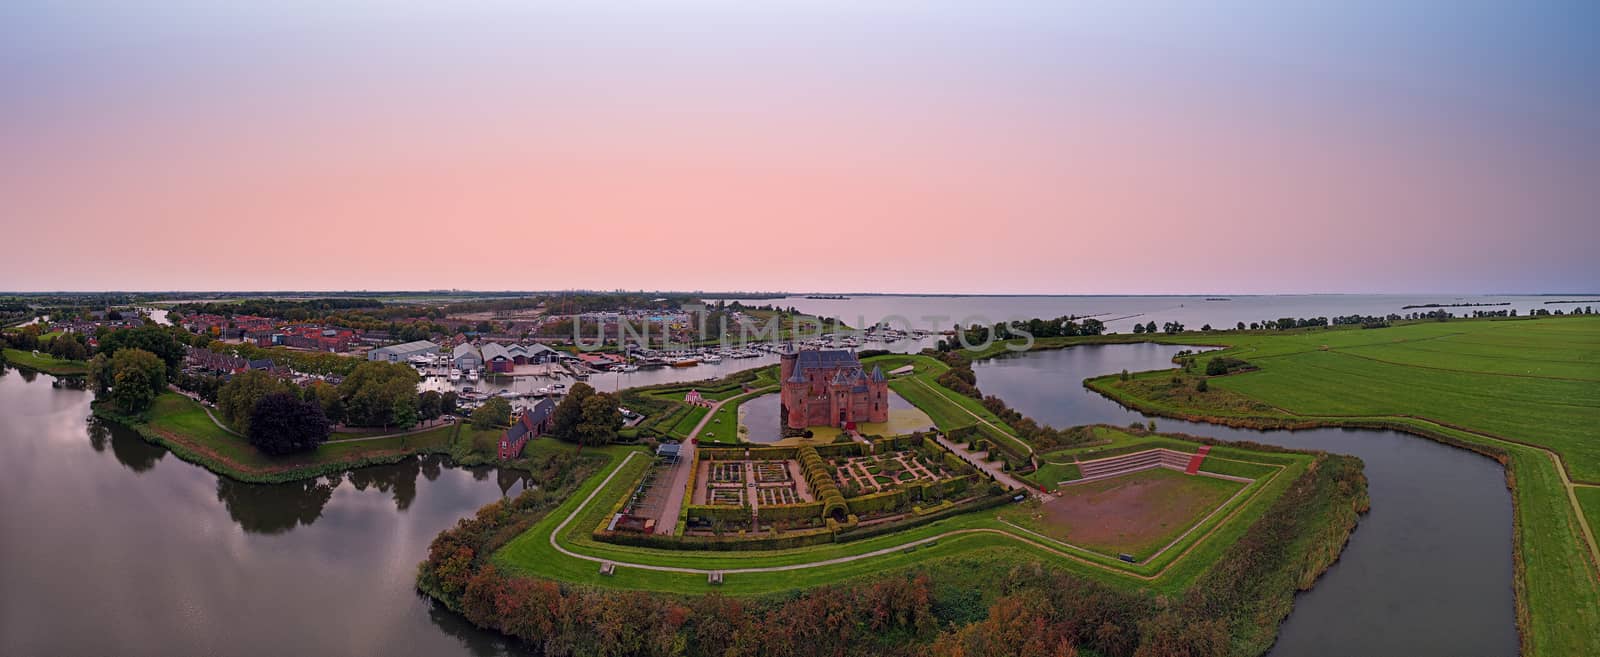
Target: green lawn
(46, 363)
(182, 424)
(687, 422)
(1502, 384)
(947, 408)
(531, 553)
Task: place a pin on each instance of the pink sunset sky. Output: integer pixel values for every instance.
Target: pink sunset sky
(1096, 148)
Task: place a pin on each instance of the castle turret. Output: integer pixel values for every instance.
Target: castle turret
(786, 361)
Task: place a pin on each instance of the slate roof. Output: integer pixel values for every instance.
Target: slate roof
(492, 350)
(828, 358)
(877, 374)
(539, 412)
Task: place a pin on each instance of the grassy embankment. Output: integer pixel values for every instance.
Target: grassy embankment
(180, 424)
(46, 363)
(1526, 392)
(532, 553)
(949, 409)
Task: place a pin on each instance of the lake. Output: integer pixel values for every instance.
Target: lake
(113, 546)
(940, 312)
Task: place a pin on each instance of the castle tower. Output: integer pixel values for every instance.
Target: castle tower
(786, 361)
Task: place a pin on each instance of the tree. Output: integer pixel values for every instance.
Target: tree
(492, 414)
(137, 377)
(485, 327)
(1138, 328)
(569, 413)
(238, 397)
(430, 404)
(1207, 327)
(380, 394)
(163, 342)
(601, 420)
(1240, 326)
(1201, 386)
(1150, 327)
(283, 423)
(448, 402)
(327, 396)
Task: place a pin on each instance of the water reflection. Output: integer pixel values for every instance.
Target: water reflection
(184, 545)
(130, 449)
(275, 508)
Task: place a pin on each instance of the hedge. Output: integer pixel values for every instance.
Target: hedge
(711, 512)
(783, 512)
(732, 542)
(876, 502)
(821, 482)
(976, 504)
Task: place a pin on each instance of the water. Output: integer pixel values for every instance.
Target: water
(109, 545)
(112, 546)
(934, 312)
(1427, 573)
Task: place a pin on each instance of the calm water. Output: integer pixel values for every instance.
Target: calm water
(1427, 573)
(1120, 312)
(111, 546)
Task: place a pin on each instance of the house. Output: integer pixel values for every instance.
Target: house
(264, 364)
(496, 358)
(534, 422)
(466, 357)
(211, 361)
(400, 353)
(693, 398)
(828, 387)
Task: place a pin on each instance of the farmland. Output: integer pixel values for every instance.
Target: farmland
(1524, 391)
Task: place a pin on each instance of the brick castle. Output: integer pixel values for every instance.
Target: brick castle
(828, 387)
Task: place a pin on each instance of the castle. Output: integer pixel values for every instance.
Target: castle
(828, 387)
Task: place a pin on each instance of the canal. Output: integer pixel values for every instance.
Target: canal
(1428, 573)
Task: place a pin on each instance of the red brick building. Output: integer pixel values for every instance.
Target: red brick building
(828, 387)
(534, 422)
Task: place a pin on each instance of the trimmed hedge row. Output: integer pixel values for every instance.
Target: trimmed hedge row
(846, 535)
(821, 482)
(876, 502)
(726, 543)
(711, 512)
(783, 512)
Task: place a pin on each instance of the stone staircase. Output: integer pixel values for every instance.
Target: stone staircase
(1114, 466)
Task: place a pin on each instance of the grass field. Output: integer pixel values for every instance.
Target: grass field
(182, 425)
(1136, 513)
(686, 423)
(1529, 388)
(46, 363)
(532, 553)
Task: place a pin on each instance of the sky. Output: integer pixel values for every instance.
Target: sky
(1067, 147)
